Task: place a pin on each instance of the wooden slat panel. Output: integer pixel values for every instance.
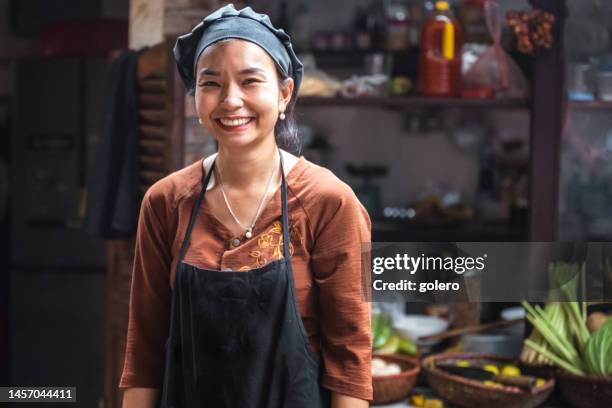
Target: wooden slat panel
(153, 85)
(159, 169)
(152, 101)
(150, 177)
(176, 110)
(120, 319)
(153, 132)
(149, 162)
(152, 147)
(161, 139)
(152, 116)
(153, 62)
(120, 254)
(122, 301)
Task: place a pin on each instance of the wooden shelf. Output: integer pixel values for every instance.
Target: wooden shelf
(386, 230)
(590, 104)
(412, 102)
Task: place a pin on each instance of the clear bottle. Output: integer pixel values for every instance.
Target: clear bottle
(398, 25)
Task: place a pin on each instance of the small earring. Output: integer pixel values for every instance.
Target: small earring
(282, 116)
(200, 120)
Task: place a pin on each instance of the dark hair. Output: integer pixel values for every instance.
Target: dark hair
(286, 131)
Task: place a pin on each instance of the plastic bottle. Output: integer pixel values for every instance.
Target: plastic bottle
(440, 54)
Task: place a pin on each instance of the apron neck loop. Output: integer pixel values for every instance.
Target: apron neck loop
(198, 204)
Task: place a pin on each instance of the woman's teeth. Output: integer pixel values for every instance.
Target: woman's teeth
(234, 122)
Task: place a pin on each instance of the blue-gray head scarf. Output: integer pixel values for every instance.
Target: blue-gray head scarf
(245, 24)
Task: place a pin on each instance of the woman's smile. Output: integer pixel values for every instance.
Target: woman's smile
(234, 123)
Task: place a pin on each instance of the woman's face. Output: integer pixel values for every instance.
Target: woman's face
(238, 97)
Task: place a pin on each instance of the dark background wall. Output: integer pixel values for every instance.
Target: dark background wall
(52, 274)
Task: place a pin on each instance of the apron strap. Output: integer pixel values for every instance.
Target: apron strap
(194, 212)
(284, 210)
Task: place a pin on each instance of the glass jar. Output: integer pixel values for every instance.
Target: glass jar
(604, 85)
(579, 87)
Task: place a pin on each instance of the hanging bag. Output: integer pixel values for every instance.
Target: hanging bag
(495, 69)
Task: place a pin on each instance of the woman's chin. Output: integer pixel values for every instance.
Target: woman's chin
(241, 140)
(236, 141)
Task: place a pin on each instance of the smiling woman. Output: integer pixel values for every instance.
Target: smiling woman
(246, 287)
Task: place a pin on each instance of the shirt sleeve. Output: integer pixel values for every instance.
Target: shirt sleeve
(345, 314)
(150, 294)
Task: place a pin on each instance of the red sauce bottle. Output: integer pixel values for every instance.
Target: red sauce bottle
(440, 54)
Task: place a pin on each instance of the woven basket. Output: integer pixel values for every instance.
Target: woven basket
(470, 393)
(585, 391)
(392, 388)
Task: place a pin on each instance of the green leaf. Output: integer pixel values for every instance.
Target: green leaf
(598, 351)
(391, 346)
(383, 336)
(407, 346)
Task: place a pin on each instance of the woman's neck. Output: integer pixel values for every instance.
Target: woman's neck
(246, 167)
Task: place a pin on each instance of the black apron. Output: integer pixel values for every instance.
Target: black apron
(237, 339)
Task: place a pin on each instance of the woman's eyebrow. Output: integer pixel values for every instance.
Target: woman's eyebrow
(208, 71)
(252, 71)
(246, 71)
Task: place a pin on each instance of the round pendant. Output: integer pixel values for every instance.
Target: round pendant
(248, 233)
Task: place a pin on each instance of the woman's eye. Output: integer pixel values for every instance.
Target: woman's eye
(209, 83)
(250, 81)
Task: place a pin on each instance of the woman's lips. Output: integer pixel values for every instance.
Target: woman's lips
(234, 124)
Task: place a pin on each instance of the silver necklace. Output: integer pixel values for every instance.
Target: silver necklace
(249, 229)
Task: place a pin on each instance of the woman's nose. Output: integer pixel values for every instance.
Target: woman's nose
(231, 97)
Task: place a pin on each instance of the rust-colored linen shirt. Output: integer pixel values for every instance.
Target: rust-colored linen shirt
(327, 227)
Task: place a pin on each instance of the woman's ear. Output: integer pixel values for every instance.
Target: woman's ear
(286, 92)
